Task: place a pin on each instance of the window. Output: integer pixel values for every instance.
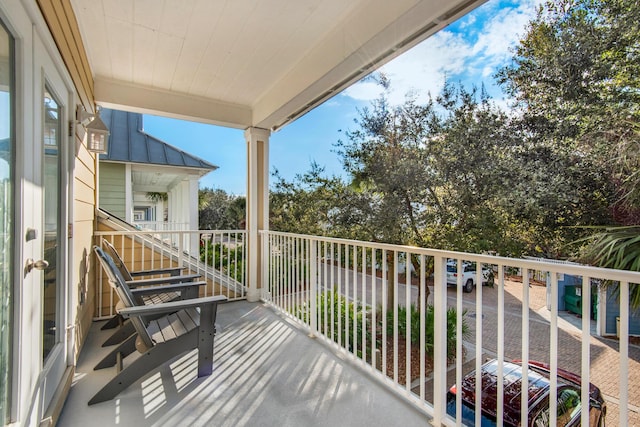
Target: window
(7, 164)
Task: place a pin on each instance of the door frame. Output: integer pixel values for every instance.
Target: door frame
(47, 77)
(28, 28)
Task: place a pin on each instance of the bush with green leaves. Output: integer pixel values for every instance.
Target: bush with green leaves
(340, 315)
(429, 327)
(225, 258)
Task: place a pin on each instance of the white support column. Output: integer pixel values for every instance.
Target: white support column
(257, 204)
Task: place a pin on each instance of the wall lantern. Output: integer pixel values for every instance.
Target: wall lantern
(97, 131)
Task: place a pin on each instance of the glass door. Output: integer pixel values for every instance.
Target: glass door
(51, 166)
(6, 216)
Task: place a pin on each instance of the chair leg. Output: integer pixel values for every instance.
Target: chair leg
(120, 335)
(206, 333)
(124, 349)
(147, 362)
(114, 322)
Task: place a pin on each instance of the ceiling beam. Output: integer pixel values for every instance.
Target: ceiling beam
(125, 96)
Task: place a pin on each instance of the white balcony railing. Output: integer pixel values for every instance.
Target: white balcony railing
(161, 226)
(353, 295)
(219, 260)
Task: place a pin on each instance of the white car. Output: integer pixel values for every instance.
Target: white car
(468, 275)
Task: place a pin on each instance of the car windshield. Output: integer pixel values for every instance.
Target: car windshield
(568, 409)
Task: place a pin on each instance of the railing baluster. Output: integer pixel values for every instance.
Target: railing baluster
(500, 373)
(423, 314)
(363, 310)
(479, 344)
(339, 266)
(354, 309)
(374, 307)
(407, 305)
(326, 287)
(624, 353)
(395, 316)
(385, 307)
(459, 285)
(553, 352)
(347, 282)
(332, 288)
(524, 403)
(439, 339)
(313, 290)
(585, 373)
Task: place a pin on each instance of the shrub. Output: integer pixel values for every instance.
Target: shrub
(429, 327)
(339, 313)
(225, 258)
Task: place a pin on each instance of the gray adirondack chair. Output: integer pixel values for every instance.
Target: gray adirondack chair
(184, 325)
(125, 328)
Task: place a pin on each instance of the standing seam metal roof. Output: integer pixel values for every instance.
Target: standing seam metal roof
(129, 143)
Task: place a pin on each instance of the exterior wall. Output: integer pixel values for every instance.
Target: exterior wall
(112, 185)
(84, 203)
(63, 26)
(613, 311)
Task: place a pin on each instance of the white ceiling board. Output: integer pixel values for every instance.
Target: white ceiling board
(168, 48)
(270, 61)
(148, 13)
(144, 50)
(176, 17)
(121, 10)
(120, 49)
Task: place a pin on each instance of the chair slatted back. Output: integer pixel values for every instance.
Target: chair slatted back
(118, 283)
(118, 261)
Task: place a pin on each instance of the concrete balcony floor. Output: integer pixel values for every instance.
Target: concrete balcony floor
(267, 372)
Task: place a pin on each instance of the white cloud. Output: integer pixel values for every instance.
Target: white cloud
(473, 53)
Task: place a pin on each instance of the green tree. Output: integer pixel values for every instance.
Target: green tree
(304, 205)
(576, 77)
(218, 210)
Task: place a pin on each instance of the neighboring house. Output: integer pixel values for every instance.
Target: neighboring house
(137, 164)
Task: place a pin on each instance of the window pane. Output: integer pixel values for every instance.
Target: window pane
(52, 138)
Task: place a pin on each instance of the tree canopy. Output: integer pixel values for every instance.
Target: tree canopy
(218, 210)
(458, 173)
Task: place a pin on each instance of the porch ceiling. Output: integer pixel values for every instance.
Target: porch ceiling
(244, 63)
(149, 181)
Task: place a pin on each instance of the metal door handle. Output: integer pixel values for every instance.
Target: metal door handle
(38, 265)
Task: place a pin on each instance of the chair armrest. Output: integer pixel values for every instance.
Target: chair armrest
(162, 280)
(169, 307)
(167, 288)
(174, 271)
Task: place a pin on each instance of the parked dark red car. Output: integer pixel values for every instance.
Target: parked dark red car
(568, 397)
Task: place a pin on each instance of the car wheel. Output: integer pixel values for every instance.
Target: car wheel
(468, 287)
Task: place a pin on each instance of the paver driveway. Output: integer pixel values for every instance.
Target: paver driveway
(605, 358)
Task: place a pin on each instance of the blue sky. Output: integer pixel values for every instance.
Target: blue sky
(468, 51)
